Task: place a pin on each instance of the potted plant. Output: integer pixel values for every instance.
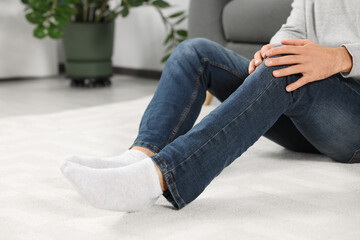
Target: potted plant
(87, 27)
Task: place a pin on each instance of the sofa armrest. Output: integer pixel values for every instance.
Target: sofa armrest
(205, 19)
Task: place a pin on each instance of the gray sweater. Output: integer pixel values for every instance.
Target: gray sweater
(330, 23)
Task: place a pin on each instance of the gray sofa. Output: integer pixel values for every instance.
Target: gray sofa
(240, 25)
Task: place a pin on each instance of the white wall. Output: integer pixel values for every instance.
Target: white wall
(139, 37)
(22, 55)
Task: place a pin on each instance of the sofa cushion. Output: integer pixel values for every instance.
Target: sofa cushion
(254, 20)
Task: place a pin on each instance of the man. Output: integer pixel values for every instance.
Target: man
(306, 91)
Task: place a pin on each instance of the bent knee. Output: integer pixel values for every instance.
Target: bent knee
(196, 43)
(199, 47)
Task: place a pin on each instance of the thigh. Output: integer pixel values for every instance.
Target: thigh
(285, 133)
(225, 72)
(327, 114)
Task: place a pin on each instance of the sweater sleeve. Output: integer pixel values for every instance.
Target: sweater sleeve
(354, 50)
(295, 26)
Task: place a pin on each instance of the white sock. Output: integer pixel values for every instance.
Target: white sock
(131, 188)
(128, 157)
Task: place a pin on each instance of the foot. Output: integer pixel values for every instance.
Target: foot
(131, 188)
(128, 157)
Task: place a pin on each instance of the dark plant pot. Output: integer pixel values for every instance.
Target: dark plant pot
(88, 51)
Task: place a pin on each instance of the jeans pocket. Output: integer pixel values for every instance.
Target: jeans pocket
(355, 157)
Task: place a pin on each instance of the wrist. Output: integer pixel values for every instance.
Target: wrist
(343, 60)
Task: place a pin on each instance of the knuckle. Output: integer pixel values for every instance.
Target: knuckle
(267, 47)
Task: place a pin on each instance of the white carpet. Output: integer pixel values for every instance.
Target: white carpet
(268, 193)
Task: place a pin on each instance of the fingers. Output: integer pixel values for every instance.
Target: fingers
(255, 62)
(258, 58)
(296, 42)
(295, 85)
(252, 66)
(266, 48)
(285, 50)
(285, 60)
(295, 69)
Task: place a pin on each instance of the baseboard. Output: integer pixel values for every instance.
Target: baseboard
(152, 74)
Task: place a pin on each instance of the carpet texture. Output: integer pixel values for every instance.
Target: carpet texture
(268, 193)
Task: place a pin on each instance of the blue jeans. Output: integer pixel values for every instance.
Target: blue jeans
(320, 117)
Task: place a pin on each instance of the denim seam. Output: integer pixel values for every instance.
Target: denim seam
(353, 156)
(267, 87)
(193, 96)
(171, 178)
(148, 144)
(188, 107)
(216, 64)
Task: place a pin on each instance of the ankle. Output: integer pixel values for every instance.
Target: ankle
(161, 178)
(144, 150)
(150, 153)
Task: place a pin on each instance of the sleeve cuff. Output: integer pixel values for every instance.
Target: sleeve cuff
(354, 50)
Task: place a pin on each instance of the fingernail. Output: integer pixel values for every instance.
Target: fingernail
(269, 62)
(257, 62)
(289, 89)
(276, 73)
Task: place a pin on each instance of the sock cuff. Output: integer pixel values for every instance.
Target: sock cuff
(137, 153)
(154, 176)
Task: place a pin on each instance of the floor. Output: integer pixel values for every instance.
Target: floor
(268, 193)
(46, 95)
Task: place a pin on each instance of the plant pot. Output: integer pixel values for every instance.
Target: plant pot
(88, 50)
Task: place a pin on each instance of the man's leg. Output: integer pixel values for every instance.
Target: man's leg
(192, 160)
(196, 65)
(326, 113)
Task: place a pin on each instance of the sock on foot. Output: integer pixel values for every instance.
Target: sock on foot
(128, 157)
(131, 188)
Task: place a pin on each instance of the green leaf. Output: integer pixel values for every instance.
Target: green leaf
(182, 33)
(135, 3)
(180, 20)
(55, 32)
(164, 59)
(40, 31)
(72, 1)
(160, 4)
(61, 19)
(179, 40)
(40, 5)
(168, 37)
(65, 10)
(124, 12)
(176, 14)
(25, 1)
(35, 17)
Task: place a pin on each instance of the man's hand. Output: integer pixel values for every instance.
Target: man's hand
(258, 57)
(313, 61)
